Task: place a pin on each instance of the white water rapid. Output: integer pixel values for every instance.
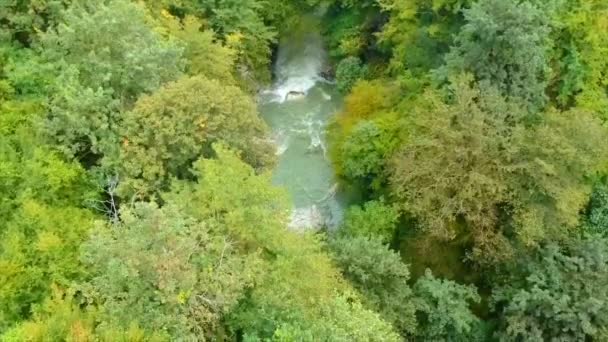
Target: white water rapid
(298, 108)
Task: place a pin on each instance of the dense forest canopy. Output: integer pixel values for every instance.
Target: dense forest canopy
(137, 202)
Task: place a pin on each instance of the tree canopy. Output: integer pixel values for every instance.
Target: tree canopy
(144, 158)
(168, 130)
(477, 157)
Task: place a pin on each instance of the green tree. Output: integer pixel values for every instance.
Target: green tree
(380, 276)
(367, 150)
(62, 318)
(349, 27)
(43, 214)
(345, 319)
(505, 42)
(29, 168)
(366, 133)
(471, 161)
(241, 22)
(597, 215)
(166, 272)
(584, 40)
(21, 20)
(168, 130)
(375, 219)
(419, 32)
(442, 307)
(32, 170)
(557, 294)
(298, 283)
(39, 248)
(205, 53)
(348, 72)
(105, 55)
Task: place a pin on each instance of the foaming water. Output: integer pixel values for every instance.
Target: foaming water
(299, 64)
(298, 108)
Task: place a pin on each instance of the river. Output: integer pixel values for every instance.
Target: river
(298, 107)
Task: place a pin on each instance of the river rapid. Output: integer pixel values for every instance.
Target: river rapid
(298, 107)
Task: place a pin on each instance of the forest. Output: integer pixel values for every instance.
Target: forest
(137, 197)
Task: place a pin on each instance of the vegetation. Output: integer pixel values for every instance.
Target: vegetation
(135, 173)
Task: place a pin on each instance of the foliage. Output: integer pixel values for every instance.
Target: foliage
(558, 295)
(44, 221)
(470, 160)
(60, 318)
(20, 20)
(346, 320)
(243, 206)
(168, 130)
(585, 40)
(205, 54)
(241, 22)
(366, 133)
(40, 247)
(375, 219)
(419, 32)
(452, 166)
(597, 216)
(443, 310)
(366, 151)
(348, 72)
(349, 27)
(104, 55)
(30, 170)
(366, 100)
(164, 270)
(495, 179)
(380, 276)
(505, 43)
(241, 201)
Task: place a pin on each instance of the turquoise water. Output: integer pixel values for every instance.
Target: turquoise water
(298, 122)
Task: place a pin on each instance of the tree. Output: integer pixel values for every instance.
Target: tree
(203, 50)
(166, 272)
(597, 214)
(453, 166)
(585, 39)
(418, 33)
(470, 162)
(366, 100)
(20, 20)
(505, 42)
(168, 130)
(242, 25)
(558, 293)
(345, 29)
(104, 55)
(40, 247)
(443, 310)
(32, 170)
(345, 319)
(375, 219)
(297, 285)
(348, 72)
(237, 199)
(380, 276)
(61, 318)
(365, 152)
(43, 213)
(38, 172)
(367, 132)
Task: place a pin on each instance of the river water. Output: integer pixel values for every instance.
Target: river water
(298, 107)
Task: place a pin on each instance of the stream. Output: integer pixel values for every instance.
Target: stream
(298, 107)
